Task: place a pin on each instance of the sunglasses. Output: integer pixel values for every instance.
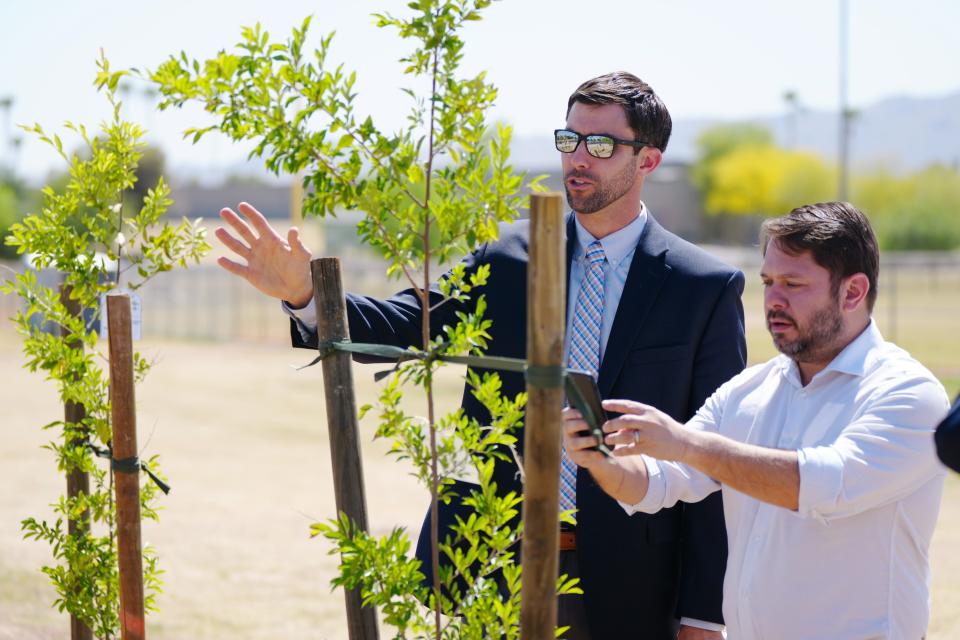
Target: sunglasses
(599, 145)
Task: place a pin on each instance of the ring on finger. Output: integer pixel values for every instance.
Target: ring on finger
(636, 438)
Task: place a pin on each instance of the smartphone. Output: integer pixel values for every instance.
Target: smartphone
(584, 396)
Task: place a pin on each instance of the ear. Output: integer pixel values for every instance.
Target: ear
(853, 291)
(650, 158)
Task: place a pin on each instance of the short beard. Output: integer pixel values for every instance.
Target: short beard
(604, 192)
(814, 343)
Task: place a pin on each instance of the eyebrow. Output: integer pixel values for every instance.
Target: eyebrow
(592, 133)
(784, 276)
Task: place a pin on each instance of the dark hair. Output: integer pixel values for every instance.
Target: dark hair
(837, 234)
(646, 113)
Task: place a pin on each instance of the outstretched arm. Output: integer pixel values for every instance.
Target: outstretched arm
(276, 266)
(769, 475)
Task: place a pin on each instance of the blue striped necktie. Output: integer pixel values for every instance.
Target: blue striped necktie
(584, 349)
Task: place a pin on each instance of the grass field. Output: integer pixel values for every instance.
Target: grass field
(243, 440)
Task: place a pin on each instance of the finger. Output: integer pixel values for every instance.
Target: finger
(573, 427)
(257, 219)
(625, 437)
(579, 443)
(241, 227)
(626, 421)
(570, 413)
(626, 406)
(587, 458)
(296, 245)
(235, 268)
(232, 243)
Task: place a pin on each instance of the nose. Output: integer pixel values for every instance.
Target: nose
(580, 158)
(774, 298)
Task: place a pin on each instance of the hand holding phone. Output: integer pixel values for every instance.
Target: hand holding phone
(584, 396)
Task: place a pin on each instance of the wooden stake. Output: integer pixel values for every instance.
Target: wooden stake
(342, 425)
(546, 277)
(124, 419)
(77, 481)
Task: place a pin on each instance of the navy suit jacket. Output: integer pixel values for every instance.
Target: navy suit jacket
(948, 438)
(678, 334)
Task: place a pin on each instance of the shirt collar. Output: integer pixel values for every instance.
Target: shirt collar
(853, 360)
(619, 244)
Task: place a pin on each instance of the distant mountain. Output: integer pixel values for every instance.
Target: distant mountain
(902, 133)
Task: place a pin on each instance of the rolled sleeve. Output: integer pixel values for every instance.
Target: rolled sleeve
(656, 490)
(884, 454)
(821, 480)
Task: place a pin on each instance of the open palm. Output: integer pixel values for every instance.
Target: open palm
(276, 266)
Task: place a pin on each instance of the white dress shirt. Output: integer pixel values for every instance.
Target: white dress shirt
(852, 562)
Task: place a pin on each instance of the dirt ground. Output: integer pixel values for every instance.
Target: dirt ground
(243, 440)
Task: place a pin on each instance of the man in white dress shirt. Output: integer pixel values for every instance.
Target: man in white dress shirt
(831, 485)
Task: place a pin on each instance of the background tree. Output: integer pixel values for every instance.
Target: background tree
(715, 142)
(918, 211)
(13, 201)
(766, 181)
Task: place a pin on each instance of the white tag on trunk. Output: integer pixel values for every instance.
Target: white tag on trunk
(134, 312)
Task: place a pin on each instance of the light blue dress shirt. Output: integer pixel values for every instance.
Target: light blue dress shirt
(619, 248)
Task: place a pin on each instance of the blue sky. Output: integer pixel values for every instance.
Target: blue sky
(725, 59)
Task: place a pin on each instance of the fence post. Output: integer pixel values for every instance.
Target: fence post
(546, 277)
(78, 481)
(342, 425)
(127, 482)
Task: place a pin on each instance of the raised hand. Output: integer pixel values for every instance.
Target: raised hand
(277, 267)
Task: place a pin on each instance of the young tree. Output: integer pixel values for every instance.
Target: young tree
(80, 231)
(430, 192)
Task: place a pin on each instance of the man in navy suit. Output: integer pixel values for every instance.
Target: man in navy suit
(671, 330)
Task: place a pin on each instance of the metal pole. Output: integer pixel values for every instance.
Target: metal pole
(844, 152)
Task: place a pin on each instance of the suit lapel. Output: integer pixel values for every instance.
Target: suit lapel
(571, 243)
(647, 272)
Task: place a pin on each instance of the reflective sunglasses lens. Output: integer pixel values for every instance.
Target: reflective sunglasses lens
(566, 141)
(600, 146)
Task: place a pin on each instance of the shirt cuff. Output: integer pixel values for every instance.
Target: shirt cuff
(656, 489)
(821, 480)
(305, 318)
(701, 624)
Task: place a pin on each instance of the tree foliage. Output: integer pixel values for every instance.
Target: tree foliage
(15, 198)
(716, 142)
(767, 180)
(741, 171)
(80, 230)
(432, 191)
(913, 212)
